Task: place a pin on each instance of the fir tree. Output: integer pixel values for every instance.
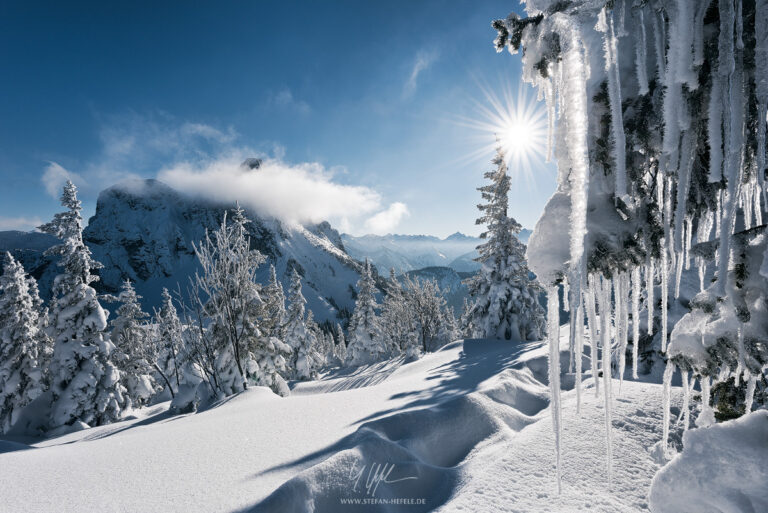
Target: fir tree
(504, 297)
(24, 347)
(366, 345)
(131, 338)
(84, 381)
(340, 346)
(297, 333)
(397, 322)
(169, 343)
(275, 315)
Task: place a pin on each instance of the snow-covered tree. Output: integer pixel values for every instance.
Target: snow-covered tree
(426, 302)
(274, 311)
(24, 348)
(242, 351)
(131, 337)
(366, 344)
(465, 322)
(298, 335)
(397, 321)
(84, 381)
(504, 297)
(340, 346)
(168, 344)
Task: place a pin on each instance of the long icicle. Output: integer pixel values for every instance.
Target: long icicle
(553, 332)
(594, 330)
(605, 321)
(635, 319)
(666, 399)
(650, 272)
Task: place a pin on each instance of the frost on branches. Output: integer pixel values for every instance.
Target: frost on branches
(85, 383)
(24, 347)
(132, 339)
(504, 297)
(240, 348)
(660, 147)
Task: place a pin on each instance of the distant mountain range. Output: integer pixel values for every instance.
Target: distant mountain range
(411, 252)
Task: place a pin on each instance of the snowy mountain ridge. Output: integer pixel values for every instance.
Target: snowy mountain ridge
(145, 231)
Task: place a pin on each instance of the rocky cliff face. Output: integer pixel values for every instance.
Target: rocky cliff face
(144, 230)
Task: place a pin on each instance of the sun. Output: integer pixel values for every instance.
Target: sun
(516, 124)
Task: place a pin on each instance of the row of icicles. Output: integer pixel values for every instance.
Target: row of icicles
(621, 295)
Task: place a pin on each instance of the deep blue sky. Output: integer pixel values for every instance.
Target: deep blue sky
(306, 81)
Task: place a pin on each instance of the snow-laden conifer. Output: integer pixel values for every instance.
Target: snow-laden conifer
(24, 348)
(504, 297)
(85, 383)
(298, 335)
(366, 344)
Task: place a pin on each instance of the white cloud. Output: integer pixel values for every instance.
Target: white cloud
(424, 59)
(133, 146)
(295, 193)
(23, 224)
(385, 221)
(55, 176)
(285, 99)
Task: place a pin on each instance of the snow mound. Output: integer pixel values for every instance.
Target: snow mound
(722, 469)
(417, 454)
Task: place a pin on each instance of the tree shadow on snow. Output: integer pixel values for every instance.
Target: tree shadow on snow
(479, 360)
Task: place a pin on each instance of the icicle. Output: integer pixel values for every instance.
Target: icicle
(605, 321)
(684, 412)
(679, 262)
(620, 29)
(550, 101)
(734, 132)
(681, 43)
(635, 319)
(666, 399)
(756, 195)
(660, 42)
(610, 45)
(715, 128)
(622, 322)
(687, 247)
(579, 310)
(553, 318)
(706, 416)
(663, 199)
(641, 58)
(751, 383)
(650, 273)
(698, 32)
(739, 26)
(747, 202)
(594, 330)
(740, 355)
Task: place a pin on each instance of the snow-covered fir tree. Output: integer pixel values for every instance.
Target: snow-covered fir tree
(85, 383)
(340, 345)
(130, 335)
(24, 348)
(274, 311)
(504, 298)
(298, 335)
(366, 344)
(397, 321)
(427, 304)
(168, 344)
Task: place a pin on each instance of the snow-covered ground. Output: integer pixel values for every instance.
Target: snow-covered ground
(464, 429)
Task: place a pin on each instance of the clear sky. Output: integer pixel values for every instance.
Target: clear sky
(363, 103)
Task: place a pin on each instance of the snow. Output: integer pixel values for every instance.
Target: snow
(471, 421)
(736, 450)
